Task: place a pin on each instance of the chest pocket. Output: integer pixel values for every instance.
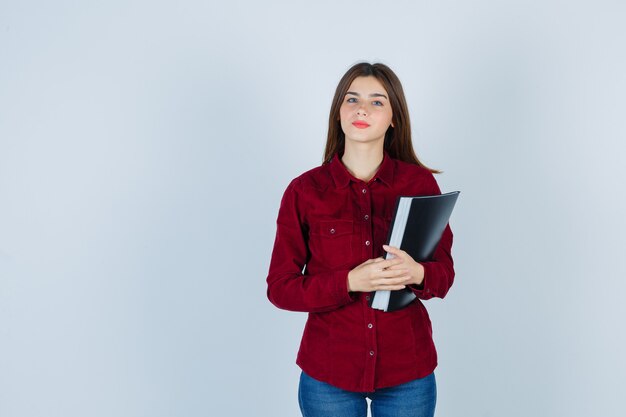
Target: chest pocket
(330, 242)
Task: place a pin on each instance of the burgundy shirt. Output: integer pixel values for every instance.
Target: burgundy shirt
(328, 223)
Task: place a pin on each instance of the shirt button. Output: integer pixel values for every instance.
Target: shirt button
(363, 190)
(367, 243)
(332, 230)
(369, 326)
(366, 217)
(371, 353)
(367, 297)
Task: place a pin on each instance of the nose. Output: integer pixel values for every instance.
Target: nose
(361, 111)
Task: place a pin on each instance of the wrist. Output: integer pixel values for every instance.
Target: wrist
(418, 277)
(348, 281)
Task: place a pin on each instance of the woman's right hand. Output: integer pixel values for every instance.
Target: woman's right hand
(373, 275)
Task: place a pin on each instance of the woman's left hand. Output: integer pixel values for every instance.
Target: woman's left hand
(416, 270)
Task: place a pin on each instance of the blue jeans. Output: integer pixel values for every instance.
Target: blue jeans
(416, 398)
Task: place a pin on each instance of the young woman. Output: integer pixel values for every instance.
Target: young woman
(328, 259)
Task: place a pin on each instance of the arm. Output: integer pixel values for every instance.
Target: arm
(433, 278)
(287, 287)
(438, 273)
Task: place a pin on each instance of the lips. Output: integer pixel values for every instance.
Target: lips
(360, 124)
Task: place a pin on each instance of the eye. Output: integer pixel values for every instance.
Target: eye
(380, 103)
(351, 98)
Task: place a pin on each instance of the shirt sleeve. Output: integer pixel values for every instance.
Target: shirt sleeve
(287, 287)
(438, 273)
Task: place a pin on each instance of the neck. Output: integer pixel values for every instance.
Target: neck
(362, 161)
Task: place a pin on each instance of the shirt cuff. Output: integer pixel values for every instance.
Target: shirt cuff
(423, 290)
(341, 287)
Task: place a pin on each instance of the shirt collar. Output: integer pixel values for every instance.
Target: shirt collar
(342, 176)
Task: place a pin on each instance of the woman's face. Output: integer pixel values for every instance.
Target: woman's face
(365, 112)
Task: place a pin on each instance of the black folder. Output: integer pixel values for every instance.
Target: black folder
(418, 224)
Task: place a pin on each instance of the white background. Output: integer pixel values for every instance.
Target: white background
(144, 148)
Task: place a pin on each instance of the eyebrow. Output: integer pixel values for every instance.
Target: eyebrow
(371, 95)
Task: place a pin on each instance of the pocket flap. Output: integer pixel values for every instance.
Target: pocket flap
(332, 228)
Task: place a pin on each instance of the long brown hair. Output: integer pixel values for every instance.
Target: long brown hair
(398, 138)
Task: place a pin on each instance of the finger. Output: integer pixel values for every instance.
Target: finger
(389, 288)
(376, 269)
(379, 264)
(401, 280)
(392, 273)
(394, 250)
(403, 265)
(390, 262)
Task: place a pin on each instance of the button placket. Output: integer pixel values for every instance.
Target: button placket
(366, 208)
(370, 346)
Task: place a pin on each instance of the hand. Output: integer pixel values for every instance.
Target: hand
(416, 270)
(377, 274)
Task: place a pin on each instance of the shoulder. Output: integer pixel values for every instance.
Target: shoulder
(318, 178)
(405, 168)
(416, 176)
